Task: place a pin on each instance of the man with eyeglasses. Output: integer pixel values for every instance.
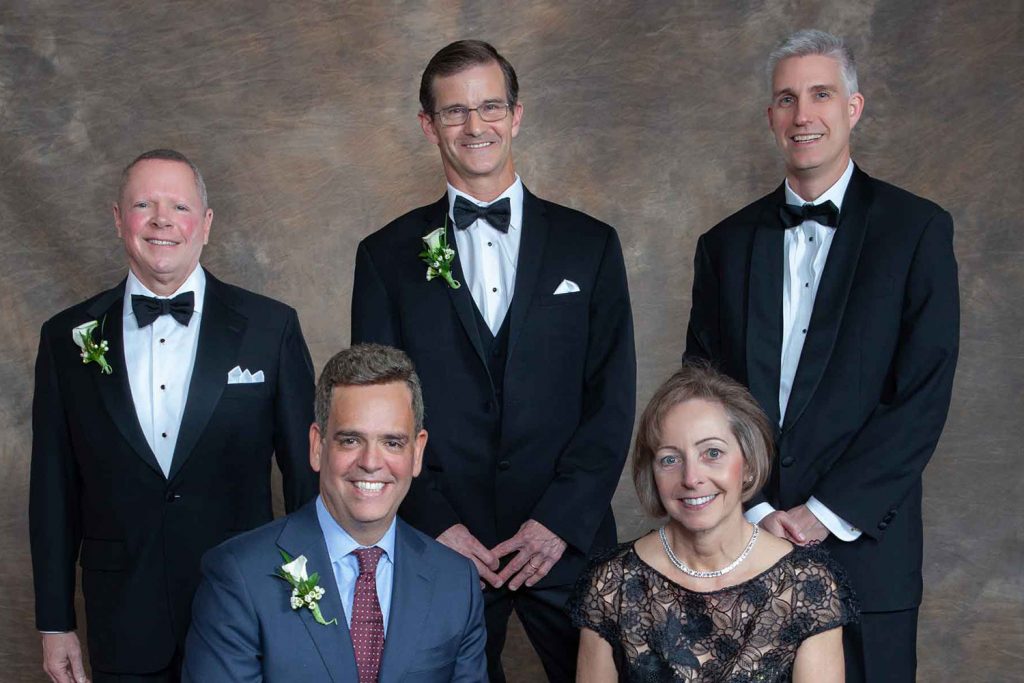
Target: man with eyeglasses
(517, 317)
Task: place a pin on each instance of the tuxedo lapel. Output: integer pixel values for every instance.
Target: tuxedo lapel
(833, 292)
(114, 389)
(462, 300)
(764, 307)
(410, 599)
(302, 535)
(531, 254)
(220, 335)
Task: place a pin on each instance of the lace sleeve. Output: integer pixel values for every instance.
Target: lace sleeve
(822, 598)
(595, 600)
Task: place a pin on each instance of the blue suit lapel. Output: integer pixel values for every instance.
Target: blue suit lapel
(410, 600)
(114, 390)
(220, 334)
(302, 535)
(764, 307)
(833, 292)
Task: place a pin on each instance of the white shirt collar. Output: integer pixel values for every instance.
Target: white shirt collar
(834, 194)
(196, 282)
(514, 192)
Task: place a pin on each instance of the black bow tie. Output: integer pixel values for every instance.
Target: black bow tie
(149, 308)
(497, 214)
(825, 213)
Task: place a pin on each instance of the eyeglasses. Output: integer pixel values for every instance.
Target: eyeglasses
(458, 114)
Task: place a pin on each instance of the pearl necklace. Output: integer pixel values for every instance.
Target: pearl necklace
(706, 575)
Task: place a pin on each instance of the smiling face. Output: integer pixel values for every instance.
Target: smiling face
(811, 117)
(477, 155)
(161, 218)
(367, 457)
(699, 466)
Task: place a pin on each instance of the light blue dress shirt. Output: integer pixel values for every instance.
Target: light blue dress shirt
(346, 566)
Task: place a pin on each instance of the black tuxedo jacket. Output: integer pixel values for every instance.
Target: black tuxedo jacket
(96, 483)
(553, 446)
(873, 385)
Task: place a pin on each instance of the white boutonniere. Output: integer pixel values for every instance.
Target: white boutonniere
(93, 351)
(439, 256)
(305, 589)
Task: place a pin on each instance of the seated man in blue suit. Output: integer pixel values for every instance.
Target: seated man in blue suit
(400, 606)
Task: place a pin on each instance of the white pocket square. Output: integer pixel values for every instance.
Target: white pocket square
(239, 376)
(567, 287)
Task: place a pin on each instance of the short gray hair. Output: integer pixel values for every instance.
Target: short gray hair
(364, 365)
(165, 155)
(814, 42)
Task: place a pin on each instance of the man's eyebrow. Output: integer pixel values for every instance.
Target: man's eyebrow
(342, 433)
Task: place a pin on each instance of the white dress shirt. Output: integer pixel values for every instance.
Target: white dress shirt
(341, 548)
(159, 359)
(806, 248)
(489, 257)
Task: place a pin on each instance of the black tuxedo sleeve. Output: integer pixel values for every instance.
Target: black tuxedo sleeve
(374, 319)
(589, 467)
(294, 415)
(702, 332)
(54, 529)
(888, 455)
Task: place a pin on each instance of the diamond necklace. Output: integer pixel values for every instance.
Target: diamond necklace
(706, 575)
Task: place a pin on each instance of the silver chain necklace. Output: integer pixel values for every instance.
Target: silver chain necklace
(706, 575)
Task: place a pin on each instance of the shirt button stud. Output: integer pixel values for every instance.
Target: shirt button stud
(164, 434)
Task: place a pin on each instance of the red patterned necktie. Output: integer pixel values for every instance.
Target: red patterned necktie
(367, 621)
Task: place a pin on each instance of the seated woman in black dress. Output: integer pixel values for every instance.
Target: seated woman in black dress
(707, 597)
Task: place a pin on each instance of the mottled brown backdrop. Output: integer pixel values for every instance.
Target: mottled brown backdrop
(648, 115)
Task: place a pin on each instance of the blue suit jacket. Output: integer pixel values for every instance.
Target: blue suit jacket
(243, 628)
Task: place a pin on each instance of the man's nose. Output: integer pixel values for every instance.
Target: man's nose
(160, 218)
(370, 459)
(801, 112)
(474, 125)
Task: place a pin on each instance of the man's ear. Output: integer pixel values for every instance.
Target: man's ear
(427, 124)
(856, 108)
(418, 447)
(118, 220)
(517, 118)
(316, 444)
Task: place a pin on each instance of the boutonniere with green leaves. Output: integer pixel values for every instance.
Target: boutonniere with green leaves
(439, 256)
(93, 350)
(305, 589)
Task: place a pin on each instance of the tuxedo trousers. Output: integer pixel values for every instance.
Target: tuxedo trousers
(882, 648)
(546, 622)
(172, 674)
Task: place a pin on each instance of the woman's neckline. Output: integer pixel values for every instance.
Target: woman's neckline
(774, 565)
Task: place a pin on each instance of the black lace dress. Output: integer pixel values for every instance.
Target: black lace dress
(660, 631)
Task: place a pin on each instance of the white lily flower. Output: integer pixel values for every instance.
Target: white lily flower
(433, 239)
(83, 332)
(296, 568)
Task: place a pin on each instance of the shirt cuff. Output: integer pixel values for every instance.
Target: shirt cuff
(839, 527)
(755, 514)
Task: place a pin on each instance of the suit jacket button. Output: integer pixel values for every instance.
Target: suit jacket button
(504, 465)
(172, 496)
(882, 526)
(487, 406)
(788, 460)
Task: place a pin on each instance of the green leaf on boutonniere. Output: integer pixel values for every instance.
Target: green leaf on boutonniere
(439, 256)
